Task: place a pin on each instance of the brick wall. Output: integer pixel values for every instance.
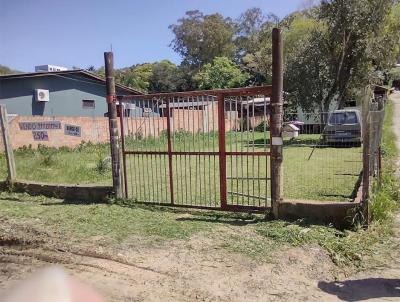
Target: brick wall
(96, 129)
(92, 129)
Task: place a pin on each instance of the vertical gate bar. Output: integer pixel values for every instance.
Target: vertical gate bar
(253, 123)
(265, 138)
(199, 137)
(121, 122)
(242, 126)
(171, 179)
(156, 139)
(194, 149)
(247, 149)
(276, 120)
(152, 135)
(208, 147)
(204, 148)
(190, 149)
(147, 138)
(184, 149)
(213, 149)
(222, 151)
(230, 148)
(236, 149)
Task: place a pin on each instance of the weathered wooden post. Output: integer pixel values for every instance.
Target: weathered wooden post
(7, 146)
(113, 124)
(366, 133)
(276, 121)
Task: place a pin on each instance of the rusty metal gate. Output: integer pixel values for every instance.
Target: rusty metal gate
(201, 149)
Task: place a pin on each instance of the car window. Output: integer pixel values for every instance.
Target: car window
(339, 118)
(351, 118)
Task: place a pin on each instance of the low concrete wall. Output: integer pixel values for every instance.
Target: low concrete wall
(88, 193)
(339, 214)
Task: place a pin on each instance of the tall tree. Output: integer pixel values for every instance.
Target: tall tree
(137, 76)
(351, 26)
(200, 38)
(385, 47)
(332, 54)
(253, 40)
(221, 73)
(164, 77)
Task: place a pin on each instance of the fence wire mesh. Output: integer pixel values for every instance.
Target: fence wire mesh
(323, 160)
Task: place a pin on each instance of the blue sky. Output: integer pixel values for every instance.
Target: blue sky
(77, 32)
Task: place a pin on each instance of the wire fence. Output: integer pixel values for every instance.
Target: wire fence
(322, 155)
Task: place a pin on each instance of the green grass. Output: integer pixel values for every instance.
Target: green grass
(117, 226)
(386, 191)
(64, 165)
(330, 174)
(113, 222)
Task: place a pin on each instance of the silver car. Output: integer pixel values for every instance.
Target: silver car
(344, 126)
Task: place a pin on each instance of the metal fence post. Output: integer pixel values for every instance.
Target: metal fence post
(113, 124)
(7, 146)
(276, 121)
(222, 149)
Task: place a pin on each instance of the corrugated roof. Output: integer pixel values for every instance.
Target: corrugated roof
(85, 73)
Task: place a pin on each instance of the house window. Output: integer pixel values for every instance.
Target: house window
(88, 104)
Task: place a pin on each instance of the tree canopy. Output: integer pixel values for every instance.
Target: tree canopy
(221, 73)
(200, 38)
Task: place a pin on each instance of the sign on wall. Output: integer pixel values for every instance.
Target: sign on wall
(51, 125)
(40, 135)
(72, 130)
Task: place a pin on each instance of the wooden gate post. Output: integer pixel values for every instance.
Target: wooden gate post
(366, 153)
(113, 124)
(7, 146)
(276, 121)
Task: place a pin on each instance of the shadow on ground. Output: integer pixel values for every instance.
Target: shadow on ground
(362, 289)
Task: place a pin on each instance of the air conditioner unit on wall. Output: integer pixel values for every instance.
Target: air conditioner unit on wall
(42, 95)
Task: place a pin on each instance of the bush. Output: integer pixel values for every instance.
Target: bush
(47, 155)
(103, 162)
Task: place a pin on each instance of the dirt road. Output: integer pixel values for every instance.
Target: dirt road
(195, 270)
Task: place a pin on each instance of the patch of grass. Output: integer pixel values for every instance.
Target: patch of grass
(114, 222)
(386, 191)
(78, 165)
(388, 137)
(344, 247)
